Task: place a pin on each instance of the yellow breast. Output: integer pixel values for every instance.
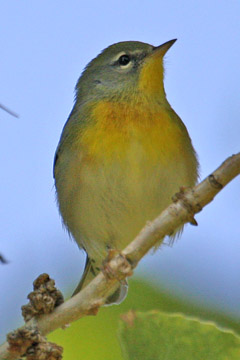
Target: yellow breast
(121, 171)
(116, 126)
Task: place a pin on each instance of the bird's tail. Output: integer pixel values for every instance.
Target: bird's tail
(90, 272)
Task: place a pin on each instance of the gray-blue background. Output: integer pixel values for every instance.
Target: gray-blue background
(44, 47)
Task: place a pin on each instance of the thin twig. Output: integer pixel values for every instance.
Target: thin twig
(3, 260)
(9, 111)
(186, 203)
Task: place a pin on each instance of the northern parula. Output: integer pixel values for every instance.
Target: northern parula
(122, 155)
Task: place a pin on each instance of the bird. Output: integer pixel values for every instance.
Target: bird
(122, 155)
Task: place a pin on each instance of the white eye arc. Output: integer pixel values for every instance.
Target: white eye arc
(124, 60)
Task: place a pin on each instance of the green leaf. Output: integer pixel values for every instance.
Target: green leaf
(157, 336)
(94, 337)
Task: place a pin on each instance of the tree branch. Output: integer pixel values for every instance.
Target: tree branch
(185, 204)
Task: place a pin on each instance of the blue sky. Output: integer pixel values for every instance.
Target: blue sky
(44, 48)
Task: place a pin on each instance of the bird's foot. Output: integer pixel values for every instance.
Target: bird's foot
(181, 195)
(116, 266)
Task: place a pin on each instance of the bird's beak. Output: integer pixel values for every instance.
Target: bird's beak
(162, 49)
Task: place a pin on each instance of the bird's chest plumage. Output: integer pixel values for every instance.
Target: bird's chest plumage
(131, 163)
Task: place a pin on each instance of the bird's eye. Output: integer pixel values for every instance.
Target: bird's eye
(124, 60)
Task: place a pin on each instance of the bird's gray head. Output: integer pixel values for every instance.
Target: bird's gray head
(117, 69)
